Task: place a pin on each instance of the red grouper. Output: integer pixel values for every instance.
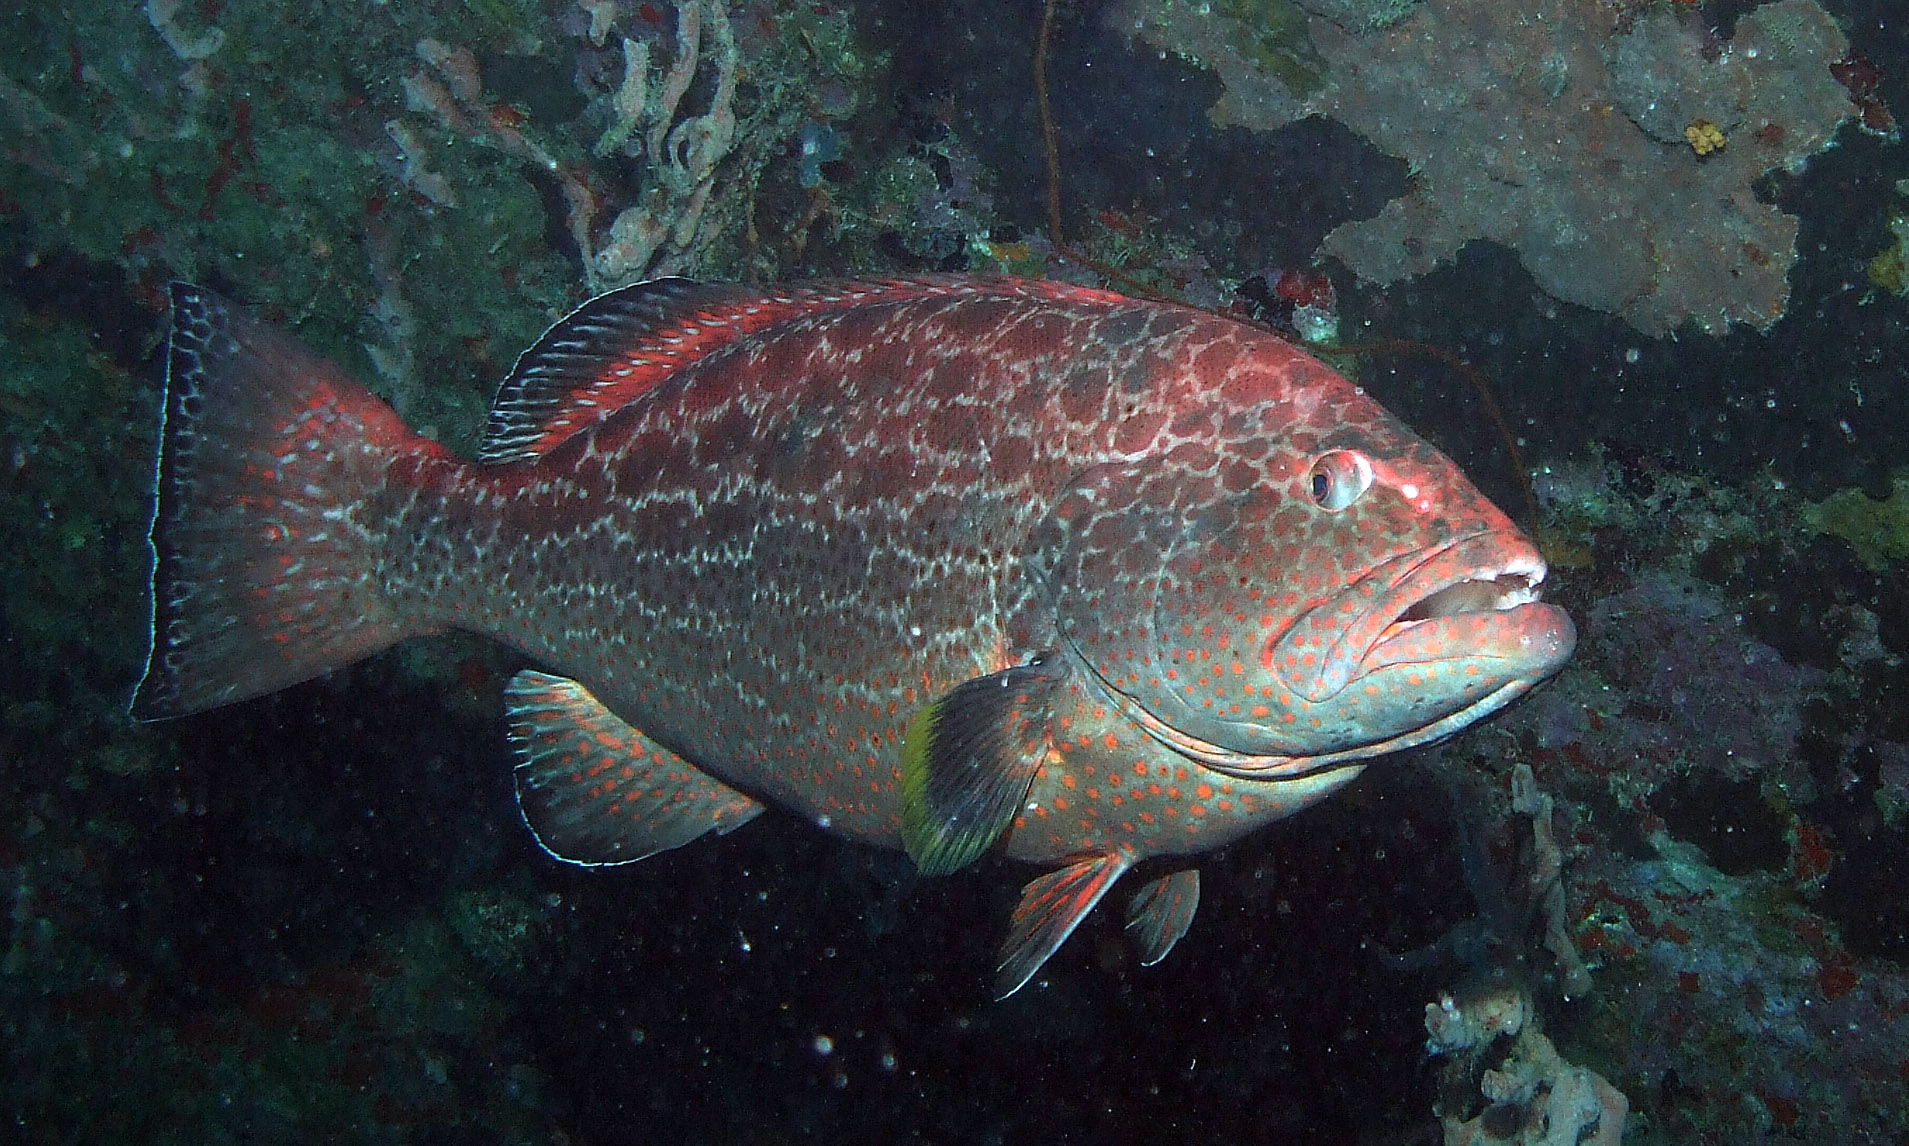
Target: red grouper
(939, 564)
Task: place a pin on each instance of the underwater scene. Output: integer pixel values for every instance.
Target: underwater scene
(932, 482)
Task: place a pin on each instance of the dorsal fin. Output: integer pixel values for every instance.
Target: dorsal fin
(618, 346)
(600, 357)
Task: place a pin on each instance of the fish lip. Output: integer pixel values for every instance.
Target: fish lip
(1493, 571)
(1492, 574)
(1496, 572)
(1472, 588)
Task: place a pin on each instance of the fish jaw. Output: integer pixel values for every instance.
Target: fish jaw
(1325, 649)
(1457, 654)
(1420, 647)
(1415, 650)
(1487, 659)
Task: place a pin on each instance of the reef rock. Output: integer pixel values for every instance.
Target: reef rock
(1557, 129)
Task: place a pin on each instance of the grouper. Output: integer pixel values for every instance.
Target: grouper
(939, 564)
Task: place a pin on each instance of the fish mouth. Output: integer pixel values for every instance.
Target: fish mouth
(1467, 598)
(1506, 589)
(1475, 599)
(1448, 636)
(1445, 636)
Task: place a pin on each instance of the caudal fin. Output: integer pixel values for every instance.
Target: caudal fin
(264, 562)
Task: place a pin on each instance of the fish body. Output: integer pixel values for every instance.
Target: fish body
(937, 564)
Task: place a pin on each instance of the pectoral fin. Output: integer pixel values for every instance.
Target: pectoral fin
(1161, 911)
(1050, 908)
(596, 791)
(967, 764)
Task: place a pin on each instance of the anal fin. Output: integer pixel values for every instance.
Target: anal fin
(596, 791)
(1050, 908)
(1161, 911)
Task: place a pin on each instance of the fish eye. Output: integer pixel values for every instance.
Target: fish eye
(1338, 479)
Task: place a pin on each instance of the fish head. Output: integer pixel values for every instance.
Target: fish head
(1295, 581)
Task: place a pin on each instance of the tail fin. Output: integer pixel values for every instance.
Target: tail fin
(263, 574)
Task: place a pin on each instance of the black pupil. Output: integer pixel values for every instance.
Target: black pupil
(1321, 485)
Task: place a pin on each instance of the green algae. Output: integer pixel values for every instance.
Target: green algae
(1878, 530)
(1274, 35)
(1889, 267)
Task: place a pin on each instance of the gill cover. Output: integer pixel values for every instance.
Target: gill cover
(1149, 570)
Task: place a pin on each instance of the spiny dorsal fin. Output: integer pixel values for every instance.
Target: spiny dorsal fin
(599, 358)
(619, 346)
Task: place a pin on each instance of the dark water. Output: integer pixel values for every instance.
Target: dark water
(315, 917)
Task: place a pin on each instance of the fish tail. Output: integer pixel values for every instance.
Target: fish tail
(264, 570)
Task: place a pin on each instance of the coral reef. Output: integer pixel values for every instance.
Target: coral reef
(1558, 129)
(1521, 903)
(661, 231)
(1361, 15)
(485, 168)
(1533, 1096)
(1709, 791)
